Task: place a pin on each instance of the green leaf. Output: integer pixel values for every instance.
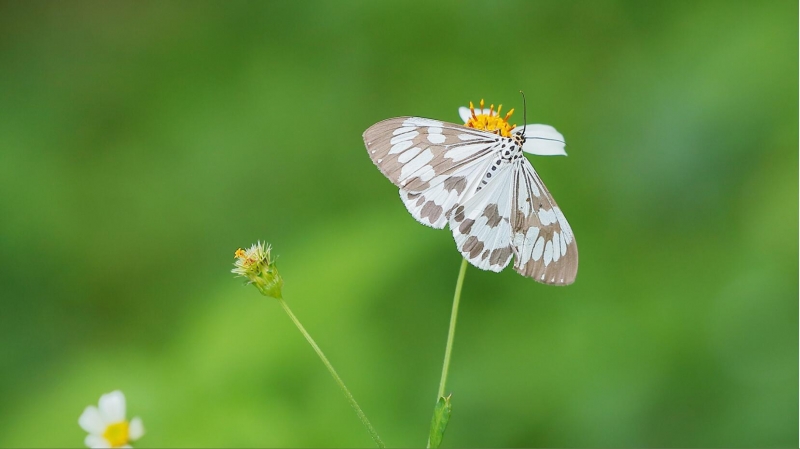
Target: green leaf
(441, 416)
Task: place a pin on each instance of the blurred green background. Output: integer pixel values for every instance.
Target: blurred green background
(141, 143)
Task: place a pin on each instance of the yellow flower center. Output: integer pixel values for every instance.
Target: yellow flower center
(492, 121)
(117, 434)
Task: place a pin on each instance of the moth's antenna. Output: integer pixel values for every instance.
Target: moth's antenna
(524, 113)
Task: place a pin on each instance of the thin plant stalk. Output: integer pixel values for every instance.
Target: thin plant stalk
(336, 377)
(452, 331)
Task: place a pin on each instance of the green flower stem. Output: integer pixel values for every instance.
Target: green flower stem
(453, 316)
(336, 377)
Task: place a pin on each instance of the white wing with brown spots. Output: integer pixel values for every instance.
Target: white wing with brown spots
(482, 224)
(435, 164)
(483, 187)
(542, 240)
(433, 205)
(411, 151)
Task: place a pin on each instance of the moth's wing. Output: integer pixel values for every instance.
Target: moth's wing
(482, 224)
(434, 163)
(543, 244)
(433, 206)
(411, 151)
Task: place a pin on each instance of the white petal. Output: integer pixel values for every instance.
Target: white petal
(135, 429)
(112, 406)
(464, 113)
(91, 421)
(542, 140)
(96, 441)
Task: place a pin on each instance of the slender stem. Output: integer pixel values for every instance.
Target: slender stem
(336, 377)
(453, 316)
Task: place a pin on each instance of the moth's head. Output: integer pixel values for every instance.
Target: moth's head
(519, 137)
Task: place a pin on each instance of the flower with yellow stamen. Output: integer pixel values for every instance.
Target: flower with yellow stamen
(490, 121)
(257, 266)
(541, 140)
(106, 423)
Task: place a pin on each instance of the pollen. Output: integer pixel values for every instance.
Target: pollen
(117, 434)
(490, 121)
(240, 253)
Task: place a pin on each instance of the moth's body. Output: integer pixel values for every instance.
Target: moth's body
(507, 151)
(480, 184)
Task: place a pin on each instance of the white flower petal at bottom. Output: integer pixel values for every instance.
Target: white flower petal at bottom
(96, 441)
(135, 429)
(92, 421)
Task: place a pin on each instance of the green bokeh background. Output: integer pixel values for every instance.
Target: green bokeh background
(141, 143)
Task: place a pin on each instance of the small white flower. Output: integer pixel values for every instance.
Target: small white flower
(107, 425)
(541, 140)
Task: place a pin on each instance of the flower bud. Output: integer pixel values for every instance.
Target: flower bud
(257, 266)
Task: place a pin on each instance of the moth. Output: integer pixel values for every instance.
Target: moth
(476, 179)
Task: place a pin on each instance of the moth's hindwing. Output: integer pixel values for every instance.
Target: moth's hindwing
(544, 246)
(482, 224)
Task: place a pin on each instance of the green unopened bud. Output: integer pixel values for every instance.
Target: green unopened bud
(441, 416)
(257, 266)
